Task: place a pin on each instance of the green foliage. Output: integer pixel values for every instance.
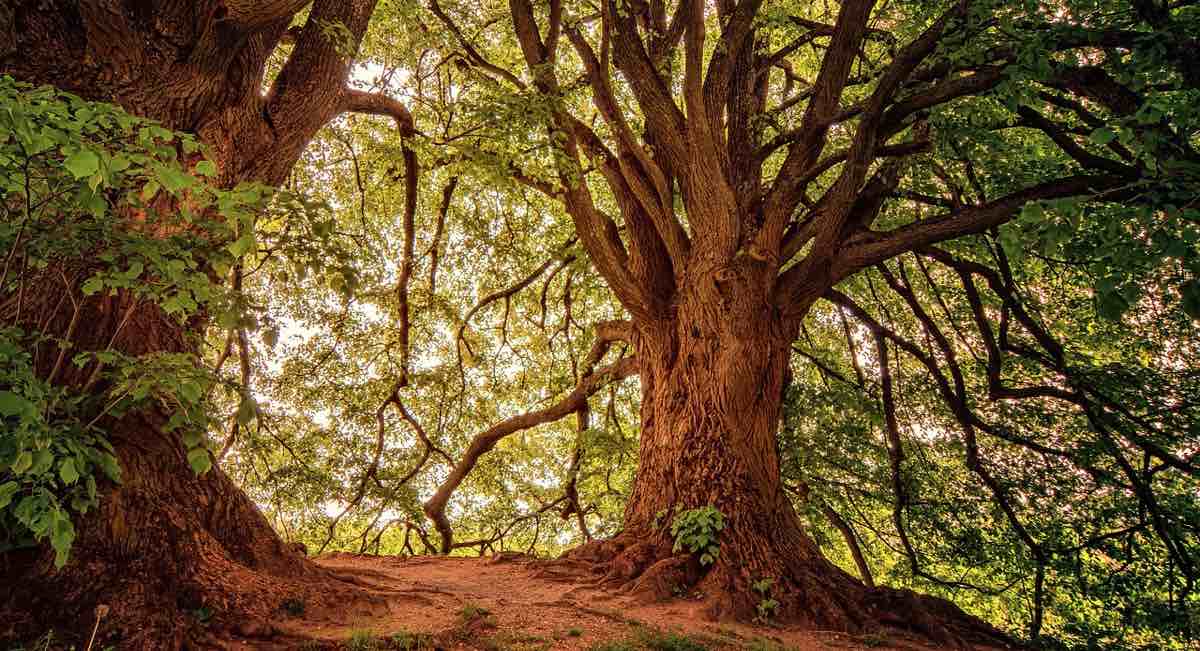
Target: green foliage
(406, 641)
(474, 612)
(50, 458)
(363, 640)
(650, 639)
(698, 530)
(203, 614)
(655, 640)
(767, 606)
(100, 206)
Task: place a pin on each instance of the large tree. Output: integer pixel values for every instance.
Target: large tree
(726, 164)
(200, 68)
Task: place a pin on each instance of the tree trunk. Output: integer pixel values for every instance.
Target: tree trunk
(713, 380)
(165, 549)
(169, 552)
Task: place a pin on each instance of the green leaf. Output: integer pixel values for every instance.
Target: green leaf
(11, 404)
(67, 471)
(82, 163)
(7, 490)
(173, 179)
(247, 410)
(92, 285)
(62, 535)
(1103, 136)
(190, 391)
(108, 463)
(23, 462)
(1111, 304)
(242, 245)
(206, 168)
(150, 190)
(199, 459)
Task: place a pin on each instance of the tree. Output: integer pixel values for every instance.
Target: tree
(721, 193)
(201, 68)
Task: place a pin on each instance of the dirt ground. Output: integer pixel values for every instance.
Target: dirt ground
(507, 603)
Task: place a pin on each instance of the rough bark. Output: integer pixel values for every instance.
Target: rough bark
(713, 378)
(167, 542)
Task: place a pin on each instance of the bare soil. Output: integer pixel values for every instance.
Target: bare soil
(510, 602)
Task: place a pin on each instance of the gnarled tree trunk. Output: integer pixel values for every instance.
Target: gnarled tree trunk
(165, 548)
(713, 378)
(170, 552)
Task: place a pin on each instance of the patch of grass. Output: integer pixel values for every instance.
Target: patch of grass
(474, 612)
(41, 644)
(649, 639)
(623, 645)
(872, 639)
(517, 642)
(763, 644)
(363, 641)
(203, 614)
(575, 632)
(662, 641)
(406, 641)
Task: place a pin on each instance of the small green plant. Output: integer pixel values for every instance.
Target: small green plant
(697, 531)
(470, 613)
(575, 632)
(872, 639)
(665, 641)
(362, 641)
(762, 644)
(767, 606)
(614, 646)
(203, 614)
(473, 611)
(43, 643)
(406, 641)
(659, 518)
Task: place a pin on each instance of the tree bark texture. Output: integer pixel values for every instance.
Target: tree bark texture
(713, 379)
(166, 544)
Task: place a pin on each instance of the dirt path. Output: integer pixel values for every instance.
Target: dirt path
(508, 603)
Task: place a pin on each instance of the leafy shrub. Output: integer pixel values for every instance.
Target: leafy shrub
(697, 530)
(97, 202)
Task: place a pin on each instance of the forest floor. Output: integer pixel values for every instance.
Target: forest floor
(508, 603)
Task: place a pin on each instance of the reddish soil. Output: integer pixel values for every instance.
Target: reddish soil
(502, 603)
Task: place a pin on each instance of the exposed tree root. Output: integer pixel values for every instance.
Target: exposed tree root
(173, 558)
(809, 593)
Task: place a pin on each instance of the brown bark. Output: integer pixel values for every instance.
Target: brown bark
(713, 378)
(161, 544)
(166, 542)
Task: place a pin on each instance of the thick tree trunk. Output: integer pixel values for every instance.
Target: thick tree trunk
(167, 545)
(713, 379)
(164, 545)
